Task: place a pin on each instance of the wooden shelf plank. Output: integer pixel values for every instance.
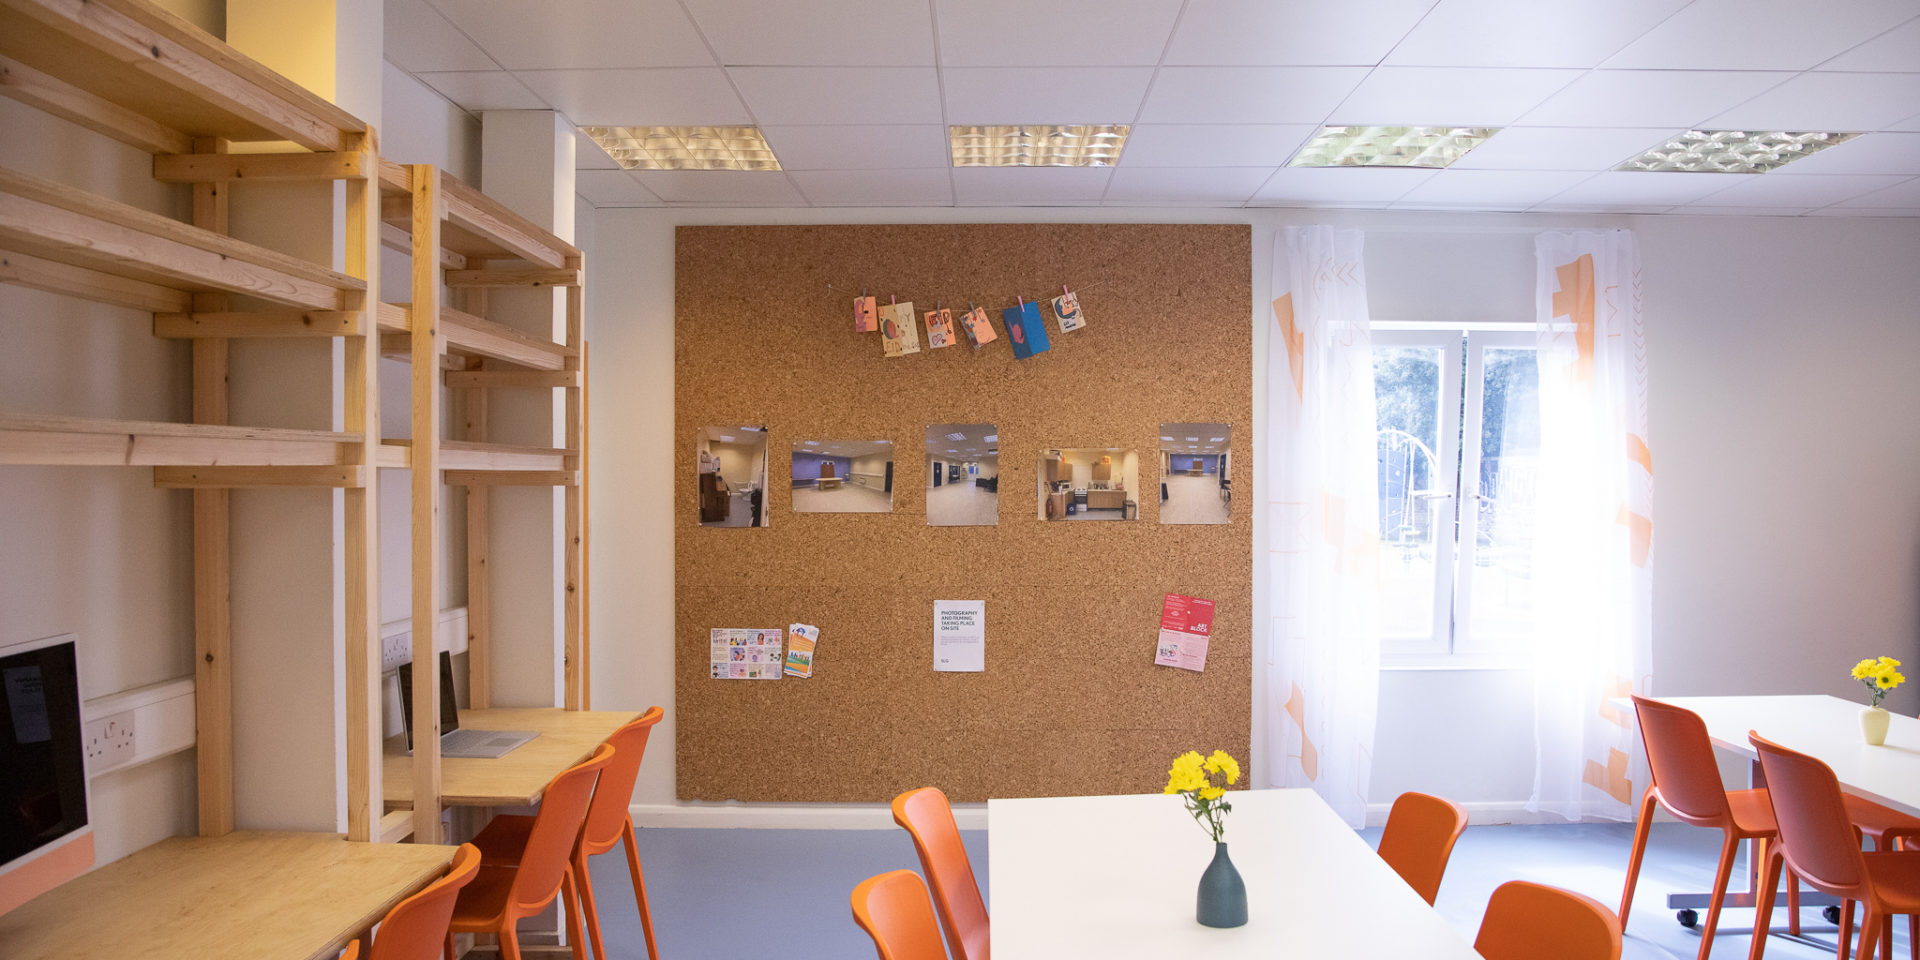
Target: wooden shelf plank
(64, 278)
(148, 61)
(513, 379)
(270, 324)
(512, 478)
(213, 478)
(396, 239)
(516, 276)
(44, 219)
(479, 336)
(468, 455)
(68, 102)
(476, 226)
(78, 441)
(219, 167)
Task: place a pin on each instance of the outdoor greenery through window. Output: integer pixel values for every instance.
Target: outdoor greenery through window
(1459, 438)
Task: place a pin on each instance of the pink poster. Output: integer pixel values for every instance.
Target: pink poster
(1186, 623)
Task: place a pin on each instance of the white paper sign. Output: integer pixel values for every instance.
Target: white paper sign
(959, 636)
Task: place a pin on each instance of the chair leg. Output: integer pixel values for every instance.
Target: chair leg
(1729, 848)
(510, 941)
(1913, 930)
(1763, 909)
(1869, 933)
(639, 888)
(1886, 938)
(448, 949)
(571, 892)
(1793, 902)
(1846, 929)
(1640, 828)
(588, 910)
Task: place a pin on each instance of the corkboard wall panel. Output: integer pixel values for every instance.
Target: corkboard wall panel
(1071, 702)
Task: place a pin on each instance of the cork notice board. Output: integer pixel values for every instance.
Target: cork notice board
(1071, 702)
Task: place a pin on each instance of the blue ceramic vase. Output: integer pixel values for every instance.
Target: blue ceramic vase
(1223, 896)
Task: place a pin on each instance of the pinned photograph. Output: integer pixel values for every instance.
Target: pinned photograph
(1089, 483)
(963, 475)
(843, 476)
(732, 476)
(1196, 473)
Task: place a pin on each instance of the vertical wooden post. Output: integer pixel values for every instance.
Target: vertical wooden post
(362, 415)
(429, 211)
(479, 586)
(212, 556)
(572, 533)
(586, 535)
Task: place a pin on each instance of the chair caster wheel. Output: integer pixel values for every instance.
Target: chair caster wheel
(1832, 913)
(1688, 919)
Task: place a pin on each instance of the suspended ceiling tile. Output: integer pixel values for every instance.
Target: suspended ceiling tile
(580, 34)
(1827, 101)
(1874, 153)
(1806, 190)
(1060, 33)
(859, 146)
(1649, 98)
(1305, 186)
(1248, 94)
(1760, 34)
(1014, 95)
(1211, 186)
(1561, 148)
(1029, 185)
(418, 38)
(1449, 96)
(1270, 33)
(1213, 144)
(920, 188)
(1508, 189)
(721, 186)
(1528, 33)
(873, 33)
(1902, 195)
(657, 97)
(484, 90)
(1896, 51)
(602, 187)
(1638, 189)
(822, 95)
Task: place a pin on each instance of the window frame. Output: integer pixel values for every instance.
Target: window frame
(1437, 642)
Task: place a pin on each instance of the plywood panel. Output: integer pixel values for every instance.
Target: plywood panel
(1071, 702)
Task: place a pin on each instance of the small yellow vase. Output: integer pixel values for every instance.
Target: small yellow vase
(1873, 725)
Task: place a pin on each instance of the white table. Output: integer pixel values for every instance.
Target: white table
(1823, 727)
(1116, 877)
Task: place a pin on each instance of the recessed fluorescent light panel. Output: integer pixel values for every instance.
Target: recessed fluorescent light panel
(1085, 145)
(685, 148)
(1731, 151)
(1434, 147)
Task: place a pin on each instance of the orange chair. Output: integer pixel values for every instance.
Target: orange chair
(501, 896)
(1529, 921)
(1819, 842)
(936, 838)
(892, 909)
(416, 927)
(504, 839)
(1419, 838)
(352, 952)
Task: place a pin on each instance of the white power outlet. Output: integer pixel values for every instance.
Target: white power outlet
(395, 650)
(109, 742)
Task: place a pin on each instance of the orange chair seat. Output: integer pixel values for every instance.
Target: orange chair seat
(503, 839)
(1883, 824)
(484, 901)
(1752, 814)
(1896, 878)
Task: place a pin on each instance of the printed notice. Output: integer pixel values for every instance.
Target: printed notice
(28, 698)
(801, 639)
(736, 654)
(959, 636)
(1185, 625)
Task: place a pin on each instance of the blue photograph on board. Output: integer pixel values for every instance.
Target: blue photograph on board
(1025, 329)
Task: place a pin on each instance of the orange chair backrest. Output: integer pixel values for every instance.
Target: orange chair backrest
(1419, 839)
(1681, 757)
(929, 819)
(607, 814)
(352, 952)
(1816, 834)
(1530, 921)
(892, 908)
(563, 810)
(416, 928)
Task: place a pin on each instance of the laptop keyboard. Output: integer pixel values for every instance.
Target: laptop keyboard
(465, 739)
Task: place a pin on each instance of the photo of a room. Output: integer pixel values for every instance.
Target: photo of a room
(1196, 473)
(1089, 483)
(733, 476)
(841, 476)
(963, 475)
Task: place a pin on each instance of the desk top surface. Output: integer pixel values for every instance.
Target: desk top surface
(1823, 727)
(244, 896)
(517, 779)
(1115, 877)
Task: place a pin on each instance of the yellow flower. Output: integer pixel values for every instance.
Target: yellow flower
(1888, 680)
(1221, 762)
(1864, 669)
(1889, 662)
(1185, 773)
(1212, 793)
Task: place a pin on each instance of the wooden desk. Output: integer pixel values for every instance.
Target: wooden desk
(829, 483)
(244, 896)
(1106, 499)
(517, 779)
(1115, 877)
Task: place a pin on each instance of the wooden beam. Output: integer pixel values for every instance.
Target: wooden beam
(515, 276)
(471, 210)
(397, 239)
(513, 379)
(586, 527)
(459, 455)
(277, 323)
(62, 278)
(212, 556)
(213, 478)
(76, 441)
(56, 96)
(429, 209)
(573, 534)
(478, 335)
(512, 478)
(365, 697)
(479, 571)
(45, 219)
(396, 825)
(216, 167)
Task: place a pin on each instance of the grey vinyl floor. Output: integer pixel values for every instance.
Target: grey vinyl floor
(752, 894)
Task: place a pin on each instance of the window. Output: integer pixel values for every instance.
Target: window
(1459, 437)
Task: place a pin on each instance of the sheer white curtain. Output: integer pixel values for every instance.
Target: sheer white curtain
(1323, 656)
(1593, 546)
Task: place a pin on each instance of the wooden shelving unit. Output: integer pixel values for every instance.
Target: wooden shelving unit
(138, 74)
(458, 238)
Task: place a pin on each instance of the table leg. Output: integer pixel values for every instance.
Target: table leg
(1748, 898)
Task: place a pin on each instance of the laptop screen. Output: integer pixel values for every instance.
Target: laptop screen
(449, 712)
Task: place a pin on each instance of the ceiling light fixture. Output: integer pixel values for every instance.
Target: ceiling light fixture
(1731, 151)
(956, 436)
(1080, 145)
(685, 148)
(1432, 147)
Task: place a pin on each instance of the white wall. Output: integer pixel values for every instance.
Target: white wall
(1788, 537)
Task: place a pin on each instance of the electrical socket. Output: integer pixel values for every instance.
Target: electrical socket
(109, 742)
(395, 650)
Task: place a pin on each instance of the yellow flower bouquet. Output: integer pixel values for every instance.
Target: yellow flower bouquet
(1203, 782)
(1880, 675)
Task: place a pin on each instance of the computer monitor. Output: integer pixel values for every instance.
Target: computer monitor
(449, 714)
(45, 835)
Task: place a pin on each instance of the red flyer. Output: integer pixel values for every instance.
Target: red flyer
(1186, 623)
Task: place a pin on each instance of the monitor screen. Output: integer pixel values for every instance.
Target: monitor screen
(43, 776)
(449, 712)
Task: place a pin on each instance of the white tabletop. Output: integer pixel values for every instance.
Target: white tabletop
(1824, 727)
(1116, 877)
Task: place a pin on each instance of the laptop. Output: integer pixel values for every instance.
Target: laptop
(455, 742)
